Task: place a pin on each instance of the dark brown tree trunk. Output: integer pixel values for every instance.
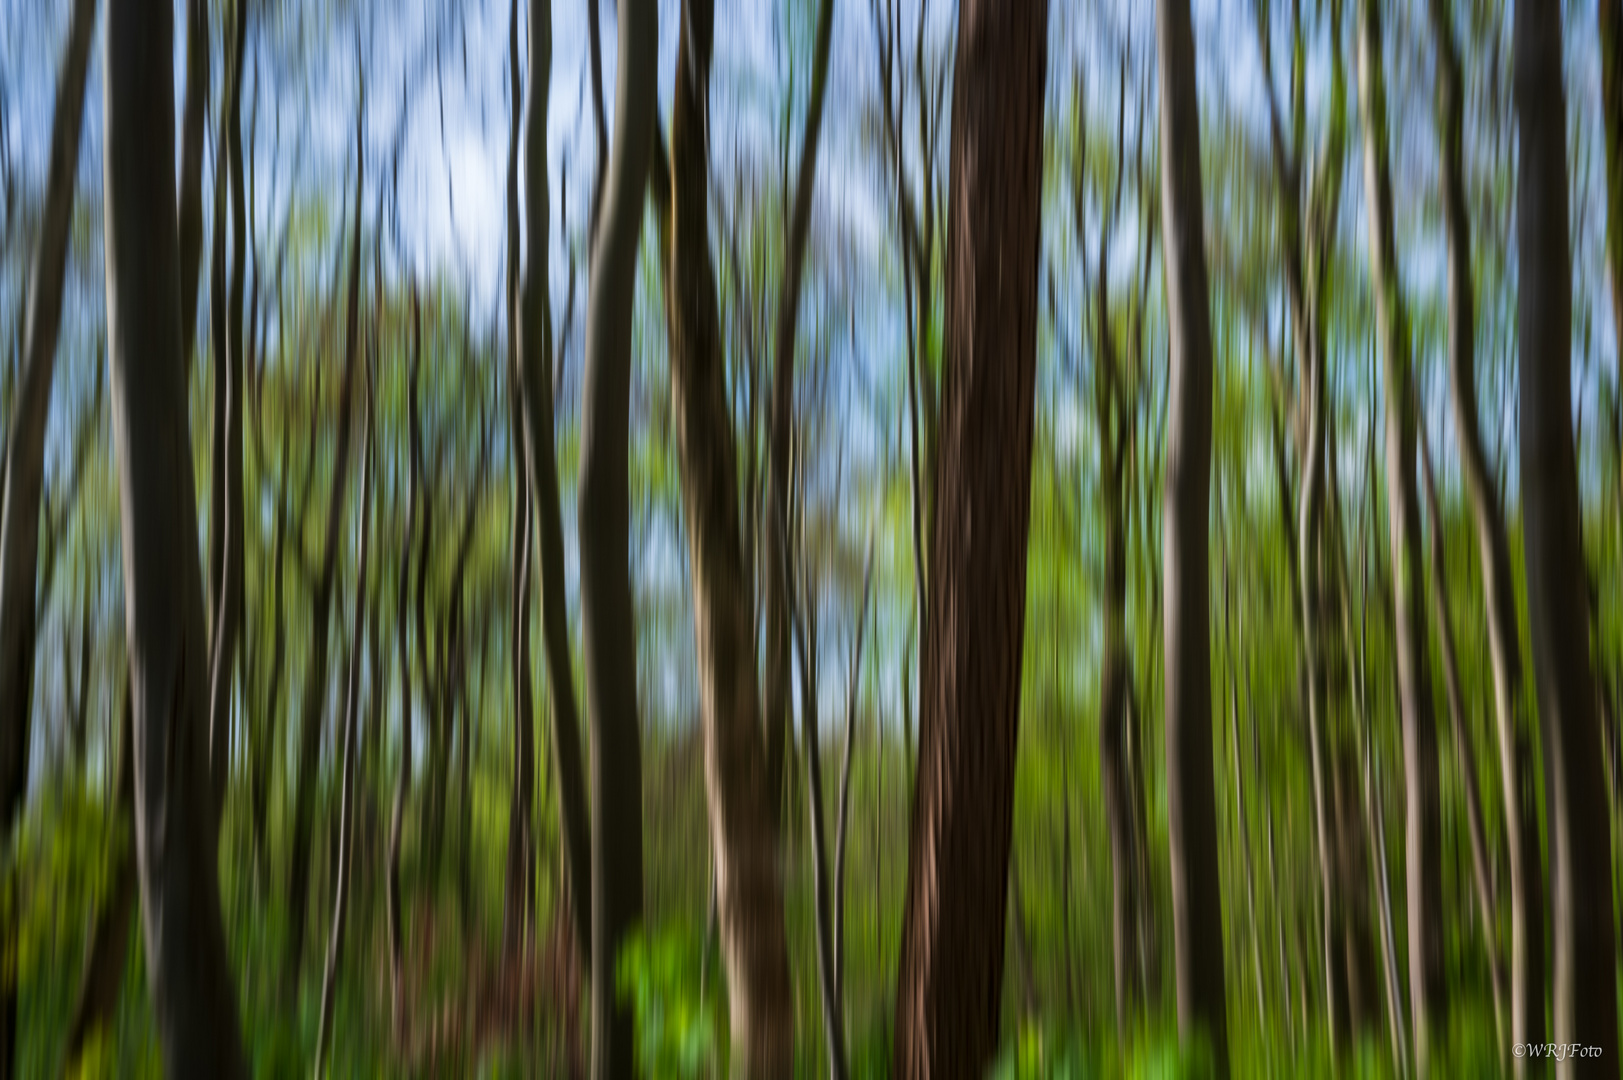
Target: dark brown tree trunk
(608, 631)
(742, 792)
(1498, 588)
(1609, 15)
(1582, 932)
(548, 557)
(1197, 899)
(313, 707)
(1427, 983)
(954, 920)
(24, 468)
(188, 974)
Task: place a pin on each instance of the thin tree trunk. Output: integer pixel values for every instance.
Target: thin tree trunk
(1585, 983)
(1234, 647)
(227, 623)
(1487, 892)
(608, 631)
(188, 974)
(352, 705)
(1197, 899)
(191, 169)
(1428, 985)
(778, 575)
(110, 941)
(1609, 16)
(738, 749)
(1498, 588)
(313, 707)
(954, 920)
(801, 614)
(402, 785)
(24, 469)
(537, 359)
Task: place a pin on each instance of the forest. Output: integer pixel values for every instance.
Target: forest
(773, 538)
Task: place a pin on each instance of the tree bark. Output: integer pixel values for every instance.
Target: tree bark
(191, 169)
(346, 810)
(1487, 892)
(540, 446)
(24, 467)
(1498, 589)
(1582, 933)
(313, 707)
(1427, 982)
(110, 941)
(780, 431)
(227, 624)
(188, 974)
(608, 630)
(739, 780)
(1609, 15)
(402, 785)
(954, 920)
(1197, 901)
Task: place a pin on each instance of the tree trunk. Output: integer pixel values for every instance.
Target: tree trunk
(1498, 588)
(188, 974)
(1585, 986)
(1427, 983)
(1609, 14)
(110, 941)
(191, 169)
(537, 359)
(778, 574)
(520, 848)
(742, 795)
(954, 920)
(608, 631)
(402, 785)
(352, 705)
(24, 467)
(1234, 647)
(1197, 899)
(227, 622)
(313, 707)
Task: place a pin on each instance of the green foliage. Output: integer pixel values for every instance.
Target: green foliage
(676, 1029)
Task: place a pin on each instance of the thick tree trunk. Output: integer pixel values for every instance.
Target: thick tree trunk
(608, 631)
(1197, 899)
(188, 974)
(954, 920)
(742, 794)
(1427, 983)
(313, 707)
(537, 360)
(24, 467)
(1582, 932)
(1498, 588)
